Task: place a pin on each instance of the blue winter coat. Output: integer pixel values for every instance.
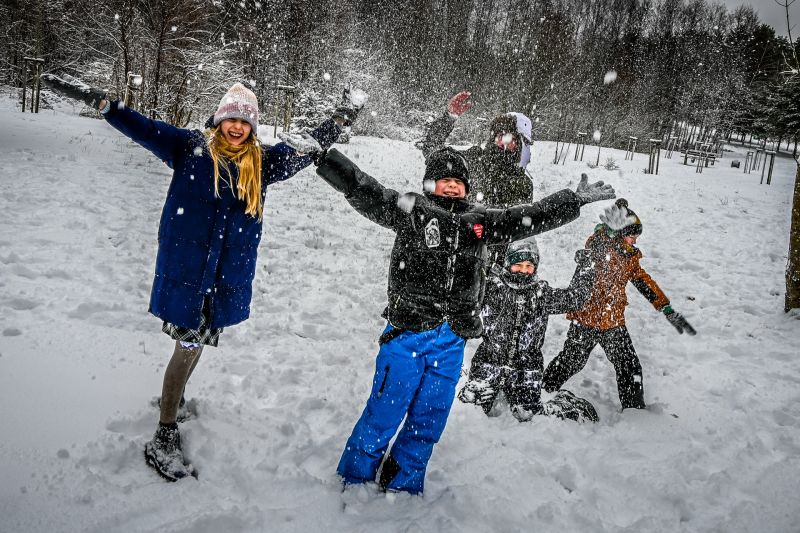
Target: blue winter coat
(207, 245)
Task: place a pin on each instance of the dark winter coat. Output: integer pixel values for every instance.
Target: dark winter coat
(494, 173)
(207, 243)
(617, 263)
(515, 315)
(438, 266)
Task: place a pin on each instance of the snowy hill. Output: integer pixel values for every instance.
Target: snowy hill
(80, 359)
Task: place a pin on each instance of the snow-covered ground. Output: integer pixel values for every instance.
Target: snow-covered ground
(80, 359)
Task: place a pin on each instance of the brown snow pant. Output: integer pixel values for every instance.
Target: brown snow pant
(176, 375)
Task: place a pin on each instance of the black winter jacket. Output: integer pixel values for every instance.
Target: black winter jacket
(438, 266)
(515, 316)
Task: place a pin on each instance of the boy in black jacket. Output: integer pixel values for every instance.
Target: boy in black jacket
(436, 285)
(515, 315)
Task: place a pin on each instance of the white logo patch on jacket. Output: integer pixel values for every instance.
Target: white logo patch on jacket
(433, 237)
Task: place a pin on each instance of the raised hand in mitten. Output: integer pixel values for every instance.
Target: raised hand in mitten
(677, 320)
(593, 192)
(352, 102)
(77, 90)
(459, 104)
(616, 217)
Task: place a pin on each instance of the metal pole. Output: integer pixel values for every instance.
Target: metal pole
(24, 82)
(38, 84)
(771, 165)
(658, 156)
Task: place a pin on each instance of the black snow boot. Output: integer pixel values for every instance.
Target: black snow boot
(567, 406)
(165, 455)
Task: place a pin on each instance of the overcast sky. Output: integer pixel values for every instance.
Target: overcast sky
(769, 12)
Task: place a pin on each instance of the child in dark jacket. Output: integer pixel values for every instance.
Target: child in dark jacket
(435, 294)
(602, 318)
(210, 228)
(515, 315)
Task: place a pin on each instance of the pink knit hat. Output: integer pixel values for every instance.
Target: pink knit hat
(238, 102)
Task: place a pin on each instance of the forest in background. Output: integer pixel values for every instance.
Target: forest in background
(676, 61)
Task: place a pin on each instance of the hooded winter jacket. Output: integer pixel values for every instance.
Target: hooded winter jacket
(616, 263)
(494, 173)
(207, 244)
(438, 265)
(516, 311)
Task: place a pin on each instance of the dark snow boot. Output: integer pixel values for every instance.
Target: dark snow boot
(165, 456)
(186, 410)
(567, 406)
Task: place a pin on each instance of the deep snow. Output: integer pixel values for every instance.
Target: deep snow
(80, 359)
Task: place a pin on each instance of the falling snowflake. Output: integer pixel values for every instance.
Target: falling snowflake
(406, 202)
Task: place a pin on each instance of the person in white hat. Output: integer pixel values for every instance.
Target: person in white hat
(497, 166)
(210, 228)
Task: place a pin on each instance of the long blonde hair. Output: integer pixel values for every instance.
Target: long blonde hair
(247, 157)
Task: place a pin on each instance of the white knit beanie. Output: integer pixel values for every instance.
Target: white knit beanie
(239, 102)
(525, 129)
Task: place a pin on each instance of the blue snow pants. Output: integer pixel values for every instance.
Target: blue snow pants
(415, 377)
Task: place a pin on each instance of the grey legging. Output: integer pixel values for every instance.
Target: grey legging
(180, 367)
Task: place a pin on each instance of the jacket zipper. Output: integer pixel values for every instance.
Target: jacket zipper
(383, 383)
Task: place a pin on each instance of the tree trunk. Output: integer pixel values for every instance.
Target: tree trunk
(793, 265)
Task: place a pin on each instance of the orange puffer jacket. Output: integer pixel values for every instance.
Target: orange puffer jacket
(616, 263)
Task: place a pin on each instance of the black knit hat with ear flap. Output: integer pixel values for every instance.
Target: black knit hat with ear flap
(635, 227)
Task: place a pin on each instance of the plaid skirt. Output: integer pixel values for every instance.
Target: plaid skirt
(202, 335)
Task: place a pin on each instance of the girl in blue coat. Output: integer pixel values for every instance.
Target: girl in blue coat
(209, 233)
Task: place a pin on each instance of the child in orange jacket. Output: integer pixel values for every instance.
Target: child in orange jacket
(602, 318)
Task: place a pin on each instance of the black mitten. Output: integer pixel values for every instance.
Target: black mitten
(90, 96)
(346, 113)
(678, 321)
(352, 102)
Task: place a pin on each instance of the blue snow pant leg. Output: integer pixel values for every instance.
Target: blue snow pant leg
(443, 354)
(398, 371)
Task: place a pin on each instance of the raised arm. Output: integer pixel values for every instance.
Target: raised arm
(283, 161)
(520, 221)
(159, 137)
(558, 301)
(362, 191)
(437, 131)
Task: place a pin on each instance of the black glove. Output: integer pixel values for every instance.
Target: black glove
(593, 192)
(346, 113)
(352, 102)
(75, 90)
(677, 320)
